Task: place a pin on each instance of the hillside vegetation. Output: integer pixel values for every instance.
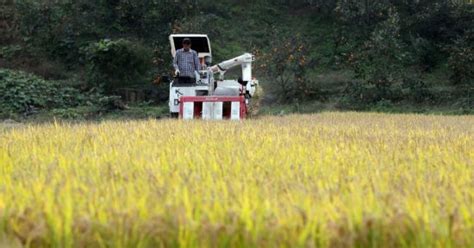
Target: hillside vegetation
(387, 55)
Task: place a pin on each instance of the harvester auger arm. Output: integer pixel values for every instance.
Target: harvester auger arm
(245, 60)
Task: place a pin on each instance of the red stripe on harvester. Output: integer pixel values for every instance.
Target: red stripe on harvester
(212, 99)
(201, 99)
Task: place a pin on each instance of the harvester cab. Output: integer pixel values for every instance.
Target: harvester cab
(208, 97)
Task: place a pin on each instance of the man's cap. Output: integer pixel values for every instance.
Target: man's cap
(187, 41)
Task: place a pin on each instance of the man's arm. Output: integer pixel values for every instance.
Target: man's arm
(197, 65)
(175, 60)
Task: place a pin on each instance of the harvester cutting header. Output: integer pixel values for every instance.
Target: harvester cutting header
(200, 90)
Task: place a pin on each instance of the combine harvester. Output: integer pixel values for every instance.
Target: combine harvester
(211, 98)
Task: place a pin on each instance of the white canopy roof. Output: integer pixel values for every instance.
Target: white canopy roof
(200, 43)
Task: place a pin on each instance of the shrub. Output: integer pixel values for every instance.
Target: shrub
(26, 93)
(415, 89)
(114, 64)
(23, 92)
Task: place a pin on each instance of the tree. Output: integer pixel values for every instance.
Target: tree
(114, 64)
(381, 61)
(461, 59)
(287, 64)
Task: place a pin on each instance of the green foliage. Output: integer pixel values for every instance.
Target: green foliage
(415, 90)
(119, 43)
(379, 64)
(382, 67)
(41, 23)
(425, 53)
(426, 26)
(429, 26)
(461, 60)
(67, 113)
(362, 13)
(114, 64)
(381, 60)
(27, 94)
(287, 64)
(8, 52)
(23, 93)
(8, 24)
(61, 29)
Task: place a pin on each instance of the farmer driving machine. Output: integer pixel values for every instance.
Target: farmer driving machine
(210, 96)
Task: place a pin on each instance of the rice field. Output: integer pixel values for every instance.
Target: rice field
(324, 180)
